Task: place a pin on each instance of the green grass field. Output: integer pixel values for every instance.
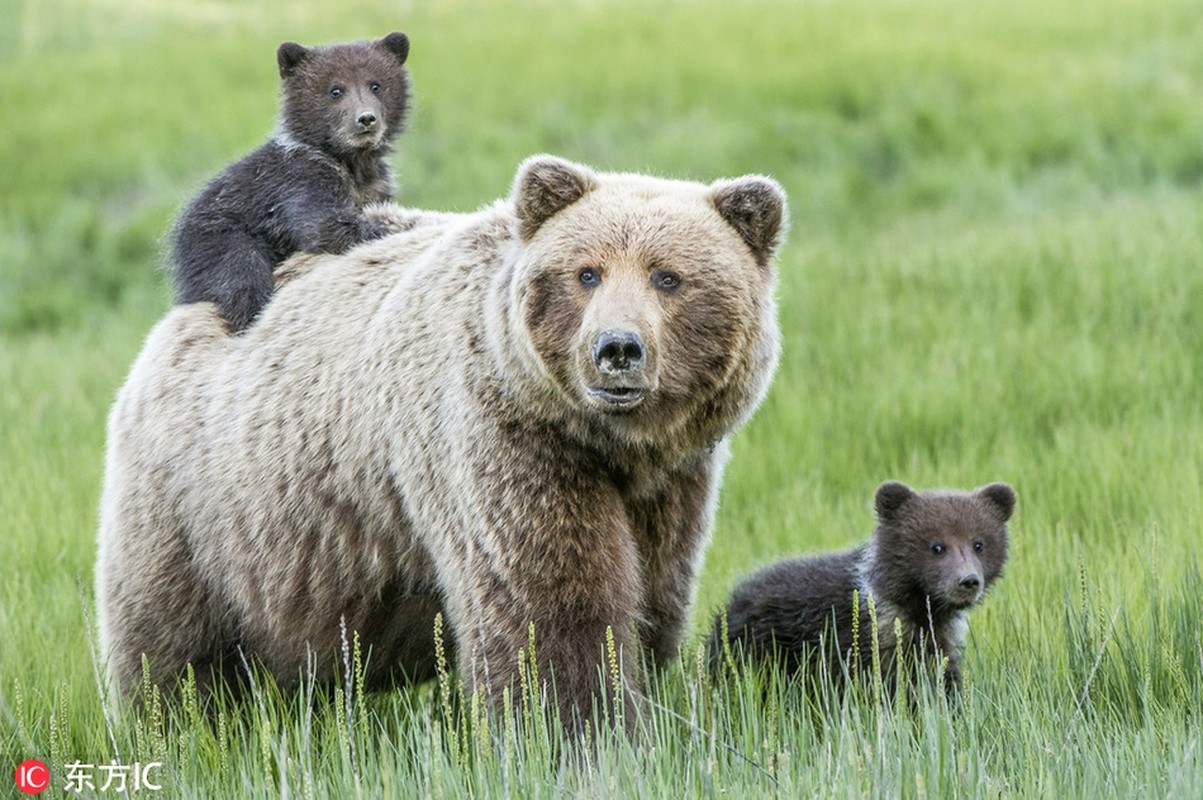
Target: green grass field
(993, 273)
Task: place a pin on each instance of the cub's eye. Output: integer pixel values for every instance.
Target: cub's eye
(938, 548)
(978, 546)
(336, 92)
(375, 87)
(588, 276)
(665, 281)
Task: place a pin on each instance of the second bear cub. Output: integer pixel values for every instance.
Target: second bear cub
(306, 188)
(930, 560)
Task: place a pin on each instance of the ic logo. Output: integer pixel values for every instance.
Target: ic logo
(32, 776)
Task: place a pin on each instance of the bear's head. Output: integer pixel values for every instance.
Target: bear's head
(941, 547)
(648, 303)
(345, 98)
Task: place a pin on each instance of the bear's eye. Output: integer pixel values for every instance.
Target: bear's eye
(375, 87)
(588, 276)
(665, 280)
(978, 546)
(336, 92)
(938, 548)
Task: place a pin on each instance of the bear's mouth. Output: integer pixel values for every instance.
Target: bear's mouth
(960, 599)
(617, 397)
(360, 138)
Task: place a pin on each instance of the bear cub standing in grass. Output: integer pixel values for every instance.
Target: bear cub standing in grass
(931, 558)
(306, 188)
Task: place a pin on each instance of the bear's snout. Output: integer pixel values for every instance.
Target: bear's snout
(624, 373)
(366, 120)
(966, 588)
(618, 352)
(970, 583)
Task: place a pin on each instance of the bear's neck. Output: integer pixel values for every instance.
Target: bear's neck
(367, 170)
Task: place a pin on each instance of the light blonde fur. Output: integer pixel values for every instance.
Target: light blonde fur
(406, 430)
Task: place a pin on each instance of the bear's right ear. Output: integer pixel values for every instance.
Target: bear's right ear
(755, 206)
(289, 56)
(892, 496)
(1001, 496)
(396, 43)
(544, 186)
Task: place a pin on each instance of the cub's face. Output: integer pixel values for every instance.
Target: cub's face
(345, 97)
(949, 546)
(644, 299)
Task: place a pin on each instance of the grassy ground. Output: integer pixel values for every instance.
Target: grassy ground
(993, 274)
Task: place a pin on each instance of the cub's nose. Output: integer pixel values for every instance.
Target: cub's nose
(366, 119)
(970, 583)
(618, 351)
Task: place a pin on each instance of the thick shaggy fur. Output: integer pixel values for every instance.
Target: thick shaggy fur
(430, 422)
(305, 189)
(932, 557)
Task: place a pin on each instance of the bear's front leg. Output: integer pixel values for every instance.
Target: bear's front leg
(952, 677)
(673, 529)
(343, 230)
(547, 543)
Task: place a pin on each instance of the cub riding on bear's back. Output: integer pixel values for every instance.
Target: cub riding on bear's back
(306, 188)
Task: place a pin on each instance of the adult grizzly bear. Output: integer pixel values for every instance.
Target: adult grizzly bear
(513, 416)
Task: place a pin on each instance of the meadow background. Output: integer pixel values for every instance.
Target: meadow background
(994, 272)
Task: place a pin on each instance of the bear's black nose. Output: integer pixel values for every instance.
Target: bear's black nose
(970, 582)
(366, 119)
(618, 351)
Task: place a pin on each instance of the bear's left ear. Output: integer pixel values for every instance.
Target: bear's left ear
(755, 206)
(291, 55)
(544, 186)
(396, 43)
(1001, 496)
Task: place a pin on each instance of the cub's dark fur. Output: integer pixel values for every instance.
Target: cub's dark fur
(305, 189)
(931, 558)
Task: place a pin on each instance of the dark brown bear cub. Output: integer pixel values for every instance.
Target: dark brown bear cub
(931, 558)
(305, 189)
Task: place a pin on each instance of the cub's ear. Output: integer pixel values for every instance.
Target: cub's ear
(755, 206)
(291, 55)
(396, 43)
(1001, 496)
(891, 497)
(544, 186)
